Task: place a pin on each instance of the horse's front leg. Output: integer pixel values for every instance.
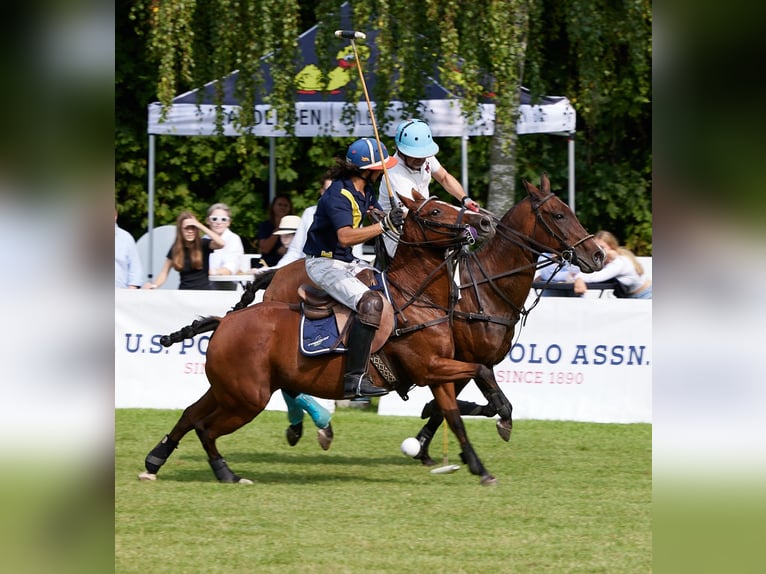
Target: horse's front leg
(445, 399)
(433, 414)
(497, 400)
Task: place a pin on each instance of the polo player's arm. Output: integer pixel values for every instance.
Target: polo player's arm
(450, 184)
(348, 236)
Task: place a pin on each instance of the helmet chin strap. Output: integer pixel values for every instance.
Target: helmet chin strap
(368, 175)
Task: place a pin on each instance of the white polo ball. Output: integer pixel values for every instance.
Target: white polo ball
(410, 446)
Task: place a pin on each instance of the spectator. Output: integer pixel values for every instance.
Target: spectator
(417, 164)
(226, 260)
(269, 246)
(620, 264)
(565, 273)
(189, 254)
(128, 271)
(330, 262)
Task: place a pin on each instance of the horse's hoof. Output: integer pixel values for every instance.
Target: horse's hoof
(245, 481)
(504, 429)
(425, 460)
(325, 436)
(147, 476)
(488, 480)
(294, 434)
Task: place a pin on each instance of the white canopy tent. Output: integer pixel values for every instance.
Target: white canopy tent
(321, 113)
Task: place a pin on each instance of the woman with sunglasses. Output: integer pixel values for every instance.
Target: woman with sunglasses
(189, 254)
(226, 260)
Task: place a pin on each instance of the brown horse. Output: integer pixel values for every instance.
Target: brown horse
(495, 282)
(254, 351)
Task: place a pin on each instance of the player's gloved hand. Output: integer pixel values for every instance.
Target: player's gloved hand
(469, 203)
(394, 220)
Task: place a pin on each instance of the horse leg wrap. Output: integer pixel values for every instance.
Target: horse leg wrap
(294, 409)
(425, 436)
(318, 414)
(475, 410)
(159, 454)
(222, 471)
(503, 408)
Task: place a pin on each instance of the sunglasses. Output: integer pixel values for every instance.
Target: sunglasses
(190, 228)
(216, 219)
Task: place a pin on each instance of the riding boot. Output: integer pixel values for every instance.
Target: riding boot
(356, 382)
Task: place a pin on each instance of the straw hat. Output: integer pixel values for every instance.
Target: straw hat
(288, 224)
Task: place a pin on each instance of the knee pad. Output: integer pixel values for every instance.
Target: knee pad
(370, 308)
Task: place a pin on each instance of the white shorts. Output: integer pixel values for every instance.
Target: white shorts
(338, 278)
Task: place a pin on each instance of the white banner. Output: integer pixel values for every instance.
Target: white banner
(576, 359)
(148, 375)
(327, 119)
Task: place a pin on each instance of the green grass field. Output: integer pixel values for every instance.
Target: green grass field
(572, 497)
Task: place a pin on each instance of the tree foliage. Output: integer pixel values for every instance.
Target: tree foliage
(597, 53)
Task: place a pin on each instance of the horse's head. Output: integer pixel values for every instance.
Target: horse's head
(558, 230)
(435, 223)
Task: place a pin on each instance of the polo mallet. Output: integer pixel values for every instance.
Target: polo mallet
(354, 35)
(446, 468)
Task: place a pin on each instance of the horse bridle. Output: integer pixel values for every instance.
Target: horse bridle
(462, 234)
(568, 254)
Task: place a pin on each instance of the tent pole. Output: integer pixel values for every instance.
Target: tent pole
(464, 167)
(272, 170)
(150, 222)
(570, 145)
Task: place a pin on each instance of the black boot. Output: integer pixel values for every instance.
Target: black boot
(356, 382)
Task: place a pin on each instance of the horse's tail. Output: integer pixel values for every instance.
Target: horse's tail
(260, 282)
(199, 326)
(211, 323)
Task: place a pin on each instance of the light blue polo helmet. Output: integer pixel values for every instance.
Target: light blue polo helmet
(413, 138)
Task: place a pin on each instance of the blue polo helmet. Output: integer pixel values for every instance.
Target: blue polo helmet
(364, 154)
(414, 139)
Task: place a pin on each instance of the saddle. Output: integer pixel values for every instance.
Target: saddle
(317, 305)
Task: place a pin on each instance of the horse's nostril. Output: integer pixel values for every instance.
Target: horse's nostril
(485, 224)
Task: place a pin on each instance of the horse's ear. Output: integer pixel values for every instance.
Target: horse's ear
(526, 185)
(408, 203)
(545, 183)
(416, 196)
(531, 188)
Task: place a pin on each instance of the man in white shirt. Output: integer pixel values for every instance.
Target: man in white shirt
(128, 271)
(416, 151)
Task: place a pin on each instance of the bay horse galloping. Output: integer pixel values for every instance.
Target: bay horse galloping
(255, 351)
(495, 280)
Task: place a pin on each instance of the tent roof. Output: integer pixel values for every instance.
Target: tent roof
(320, 113)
